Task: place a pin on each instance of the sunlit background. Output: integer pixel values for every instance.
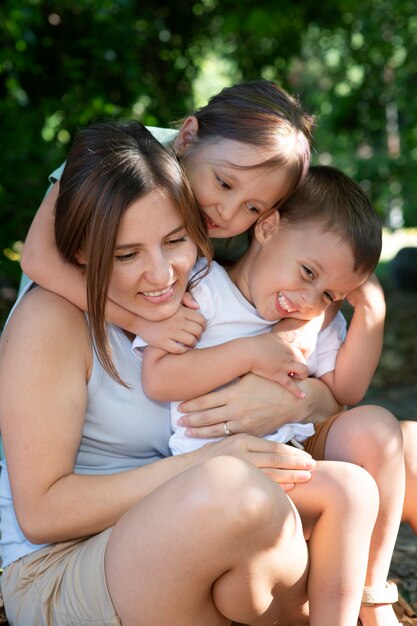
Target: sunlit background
(353, 63)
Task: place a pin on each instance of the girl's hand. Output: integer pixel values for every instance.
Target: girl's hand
(177, 334)
(284, 464)
(256, 406)
(369, 295)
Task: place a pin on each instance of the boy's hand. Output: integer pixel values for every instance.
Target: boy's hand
(275, 358)
(177, 334)
(301, 334)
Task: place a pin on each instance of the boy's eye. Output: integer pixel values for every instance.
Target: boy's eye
(308, 272)
(328, 297)
(223, 183)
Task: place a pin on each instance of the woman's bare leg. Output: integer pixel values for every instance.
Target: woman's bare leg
(338, 508)
(410, 456)
(220, 542)
(371, 437)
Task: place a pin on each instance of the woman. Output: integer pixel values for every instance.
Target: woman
(88, 498)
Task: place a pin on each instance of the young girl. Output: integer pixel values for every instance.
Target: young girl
(90, 498)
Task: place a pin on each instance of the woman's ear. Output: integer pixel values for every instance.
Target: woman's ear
(187, 135)
(266, 227)
(80, 258)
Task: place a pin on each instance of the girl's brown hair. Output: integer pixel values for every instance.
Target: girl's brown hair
(109, 166)
(261, 114)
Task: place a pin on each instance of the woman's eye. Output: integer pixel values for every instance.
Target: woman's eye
(328, 297)
(176, 242)
(125, 257)
(223, 183)
(308, 272)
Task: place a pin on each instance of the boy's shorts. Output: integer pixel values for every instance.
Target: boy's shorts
(315, 444)
(63, 584)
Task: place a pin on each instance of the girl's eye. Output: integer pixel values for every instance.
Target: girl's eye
(123, 258)
(223, 183)
(308, 272)
(252, 209)
(176, 242)
(328, 297)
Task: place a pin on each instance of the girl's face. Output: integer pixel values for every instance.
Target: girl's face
(298, 272)
(230, 198)
(153, 258)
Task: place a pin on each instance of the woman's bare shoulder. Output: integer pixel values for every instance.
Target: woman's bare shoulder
(41, 313)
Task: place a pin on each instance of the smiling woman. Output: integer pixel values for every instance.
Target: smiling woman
(88, 487)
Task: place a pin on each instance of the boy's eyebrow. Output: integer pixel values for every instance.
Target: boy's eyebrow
(125, 246)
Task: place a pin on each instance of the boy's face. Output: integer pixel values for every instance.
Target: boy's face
(299, 271)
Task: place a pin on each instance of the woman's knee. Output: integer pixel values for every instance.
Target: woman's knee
(241, 494)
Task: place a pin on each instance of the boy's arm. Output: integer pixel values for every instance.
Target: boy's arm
(168, 377)
(42, 262)
(359, 355)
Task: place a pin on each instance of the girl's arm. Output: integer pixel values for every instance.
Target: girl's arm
(45, 359)
(42, 262)
(168, 377)
(359, 355)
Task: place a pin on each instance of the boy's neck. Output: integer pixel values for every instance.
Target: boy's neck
(239, 272)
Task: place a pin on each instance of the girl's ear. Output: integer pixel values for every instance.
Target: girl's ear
(187, 135)
(267, 227)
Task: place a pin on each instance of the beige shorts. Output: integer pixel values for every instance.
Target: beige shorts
(63, 584)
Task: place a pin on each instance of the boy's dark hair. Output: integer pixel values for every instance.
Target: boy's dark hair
(330, 198)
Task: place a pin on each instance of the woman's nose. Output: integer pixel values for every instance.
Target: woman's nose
(159, 271)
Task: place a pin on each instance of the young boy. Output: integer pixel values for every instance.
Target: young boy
(321, 249)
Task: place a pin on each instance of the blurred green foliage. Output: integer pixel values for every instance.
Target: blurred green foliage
(66, 63)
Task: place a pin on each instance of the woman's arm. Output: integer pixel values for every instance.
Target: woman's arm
(167, 377)
(42, 262)
(359, 355)
(257, 406)
(45, 359)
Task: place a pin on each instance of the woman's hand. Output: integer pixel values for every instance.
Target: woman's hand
(284, 464)
(177, 334)
(257, 406)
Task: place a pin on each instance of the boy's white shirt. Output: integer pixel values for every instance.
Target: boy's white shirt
(230, 316)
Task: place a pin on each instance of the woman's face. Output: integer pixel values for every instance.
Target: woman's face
(153, 258)
(230, 198)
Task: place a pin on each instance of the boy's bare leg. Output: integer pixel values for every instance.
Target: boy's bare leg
(338, 508)
(371, 437)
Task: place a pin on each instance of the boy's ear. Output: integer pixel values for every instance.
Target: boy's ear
(187, 135)
(266, 227)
